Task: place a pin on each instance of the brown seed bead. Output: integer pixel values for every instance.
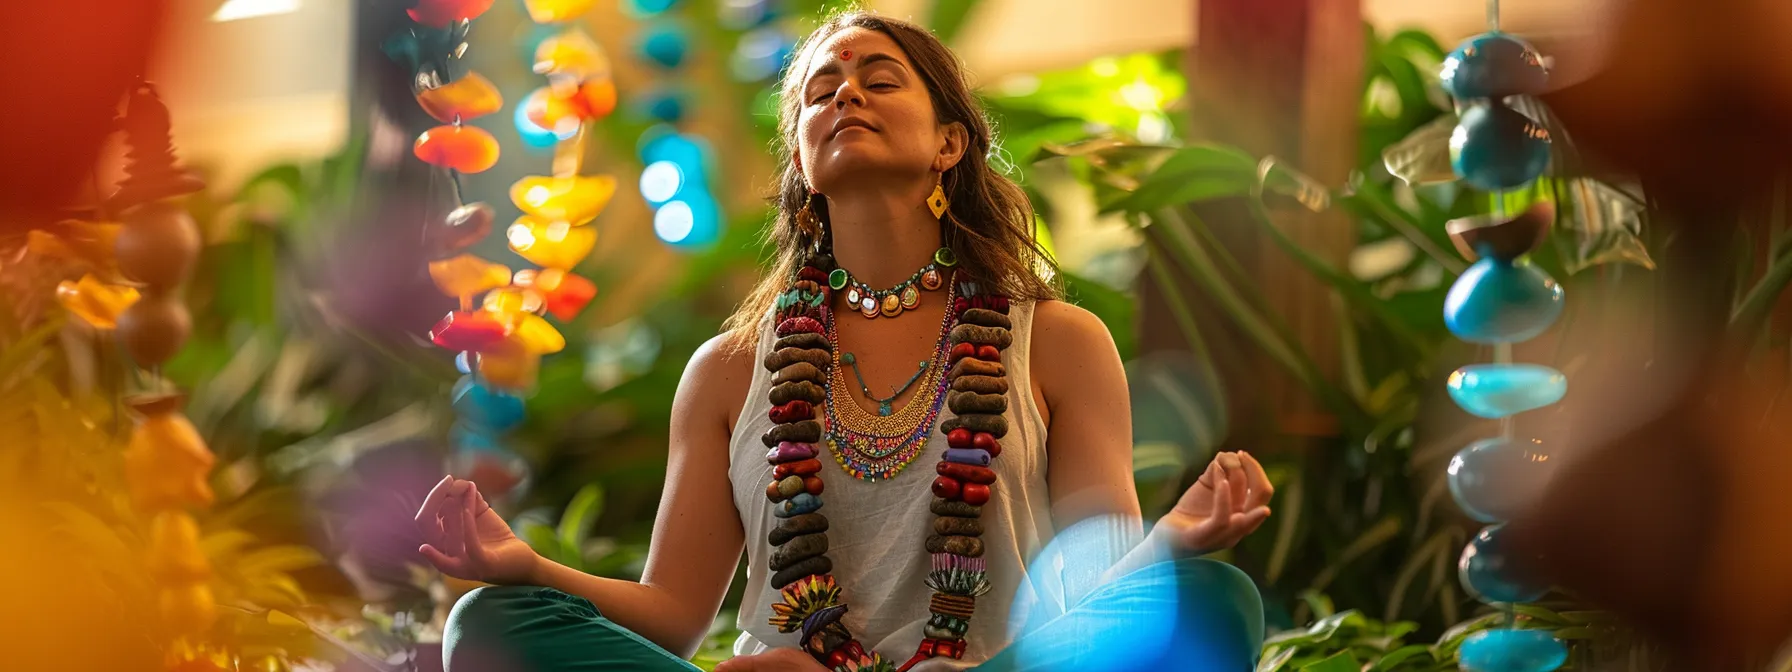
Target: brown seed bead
(812, 484)
(980, 384)
(802, 389)
(978, 422)
(803, 340)
(953, 526)
(984, 317)
(948, 507)
(816, 565)
(789, 486)
(971, 366)
(971, 333)
(806, 285)
(799, 549)
(796, 372)
(796, 526)
(779, 359)
(806, 431)
(796, 469)
(971, 402)
(967, 473)
(970, 547)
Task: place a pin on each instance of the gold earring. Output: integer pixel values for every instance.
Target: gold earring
(937, 201)
(806, 222)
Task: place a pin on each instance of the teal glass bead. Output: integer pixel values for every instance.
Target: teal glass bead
(798, 505)
(665, 44)
(1493, 65)
(1499, 390)
(1499, 302)
(1495, 147)
(1487, 569)
(486, 407)
(1493, 479)
(1507, 650)
(464, 436)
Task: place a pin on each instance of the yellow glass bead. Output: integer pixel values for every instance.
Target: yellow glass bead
(174, 553)
(551, 243)
(166, 462)
(465, 275)
(189, 609)
(536, 335)
(509, 302)
(509, 366)
(562, 107)
(576, 199)
(95, 302)
(557, 11)
(572, 54)
(467, 98)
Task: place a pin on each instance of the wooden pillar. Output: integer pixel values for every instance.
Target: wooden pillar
(1281, 78)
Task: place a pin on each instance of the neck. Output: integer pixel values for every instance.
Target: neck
(883, 236)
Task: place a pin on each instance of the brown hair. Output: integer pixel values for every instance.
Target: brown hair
(990, 222)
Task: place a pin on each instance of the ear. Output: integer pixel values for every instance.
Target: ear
(956, 139)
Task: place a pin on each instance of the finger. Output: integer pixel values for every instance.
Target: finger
(475, 550)
(1222, 503)
(475, 502)
(1209, 474)
(429, 515)
(1236, 478)
(451, 566)
(1261, 489)
(453, 528)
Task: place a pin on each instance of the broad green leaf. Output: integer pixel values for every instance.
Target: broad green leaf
(1274, 657)
(1453, 637)
(1342, 661)
(1604, 225)
(584, 508)
(542, 538)
(1424, 156)
(1321, 630)
(1392, 660)
(1192, 174)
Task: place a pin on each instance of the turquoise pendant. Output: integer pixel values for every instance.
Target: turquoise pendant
(1500, 390)
(1493, 479)
(1512, 651)
(1500, 302)
(1493, 65)
(1486, 570)
(1496, 147)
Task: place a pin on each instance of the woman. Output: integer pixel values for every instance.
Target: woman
(1015, 403)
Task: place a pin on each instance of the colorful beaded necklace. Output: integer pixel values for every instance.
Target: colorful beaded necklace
(803, 363)
(876, 447)
(906, 295)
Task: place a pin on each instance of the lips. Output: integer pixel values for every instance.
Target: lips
(850, 122)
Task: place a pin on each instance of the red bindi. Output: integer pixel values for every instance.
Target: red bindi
(845, 54)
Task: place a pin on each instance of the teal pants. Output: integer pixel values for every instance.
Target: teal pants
(1195, 614)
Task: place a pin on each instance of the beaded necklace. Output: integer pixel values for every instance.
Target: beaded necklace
(876, 447)
(803, 364)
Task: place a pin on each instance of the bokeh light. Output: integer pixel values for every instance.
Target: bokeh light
(660, 181)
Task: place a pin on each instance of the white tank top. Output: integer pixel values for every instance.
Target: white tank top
(876, 529)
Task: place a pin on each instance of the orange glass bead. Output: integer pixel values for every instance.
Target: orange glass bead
(551, 243)
(572, 54)
(509, 366)
(467, 98)
(557, 11)
(95, 302)
(465, 275)
(508, 302)
(189, 608)
(440, 13)
(174, 552)
(91, 243)
(166, 462)
(561, 110)
(468, 149)
(575, 200)
(565, 294)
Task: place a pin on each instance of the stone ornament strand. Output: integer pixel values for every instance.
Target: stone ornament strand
(801, 361)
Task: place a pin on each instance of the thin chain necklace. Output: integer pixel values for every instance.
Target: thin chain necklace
(883, 403)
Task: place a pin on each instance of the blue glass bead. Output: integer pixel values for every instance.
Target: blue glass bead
(1493, 65)
(1495, 147)
(1499, 302)
(1512, 651)
(473, 437)
(533, 134)
(650, 7)
(802, 503)
(976, 456)
(485, 407)
(665, 44)
(1492, 479)
(461, 364)
(1486, 570)
(1499, 390)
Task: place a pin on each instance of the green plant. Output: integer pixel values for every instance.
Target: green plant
(569, 541)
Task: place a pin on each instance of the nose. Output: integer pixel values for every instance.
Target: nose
(849, 92)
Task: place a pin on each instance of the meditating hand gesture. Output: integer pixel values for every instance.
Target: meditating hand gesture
(467, 540)
(1229, 500)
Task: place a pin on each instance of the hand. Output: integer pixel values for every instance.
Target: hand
(470, 541)
(1229, 501)
(775, 660)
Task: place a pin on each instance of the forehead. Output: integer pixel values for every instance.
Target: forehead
(859, 41)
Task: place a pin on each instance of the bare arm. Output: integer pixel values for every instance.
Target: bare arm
(1089, 439)
(697, 535)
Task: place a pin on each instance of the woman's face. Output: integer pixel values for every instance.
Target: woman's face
(865, 113)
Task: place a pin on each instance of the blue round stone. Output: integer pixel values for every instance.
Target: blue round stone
(1512, 651)
(1493, 479)
(1500, 302)
(665, 45)
(487, 408)
(1493, 65)
(1495, 147)
(1486, 570)
(1495, 391)
(802, 503)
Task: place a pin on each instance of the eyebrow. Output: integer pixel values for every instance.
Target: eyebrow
(832, 67)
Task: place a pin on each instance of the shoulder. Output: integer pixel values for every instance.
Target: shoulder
(1073, 353)
(718, 374)
(1062, 328)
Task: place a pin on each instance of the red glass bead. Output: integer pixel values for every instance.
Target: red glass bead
(984, 441)
(568, 297)
(961, 438)
(813, 485)
(469, 330)
(837, 658)
(988, 353)
(813, 274)
(439, 13)
(468, 149)
(968, 473)
(945, 487)
(961, 351)
(1000, 305)
(960, 305)
(793, 411)
(803, 468)
(976, 494)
